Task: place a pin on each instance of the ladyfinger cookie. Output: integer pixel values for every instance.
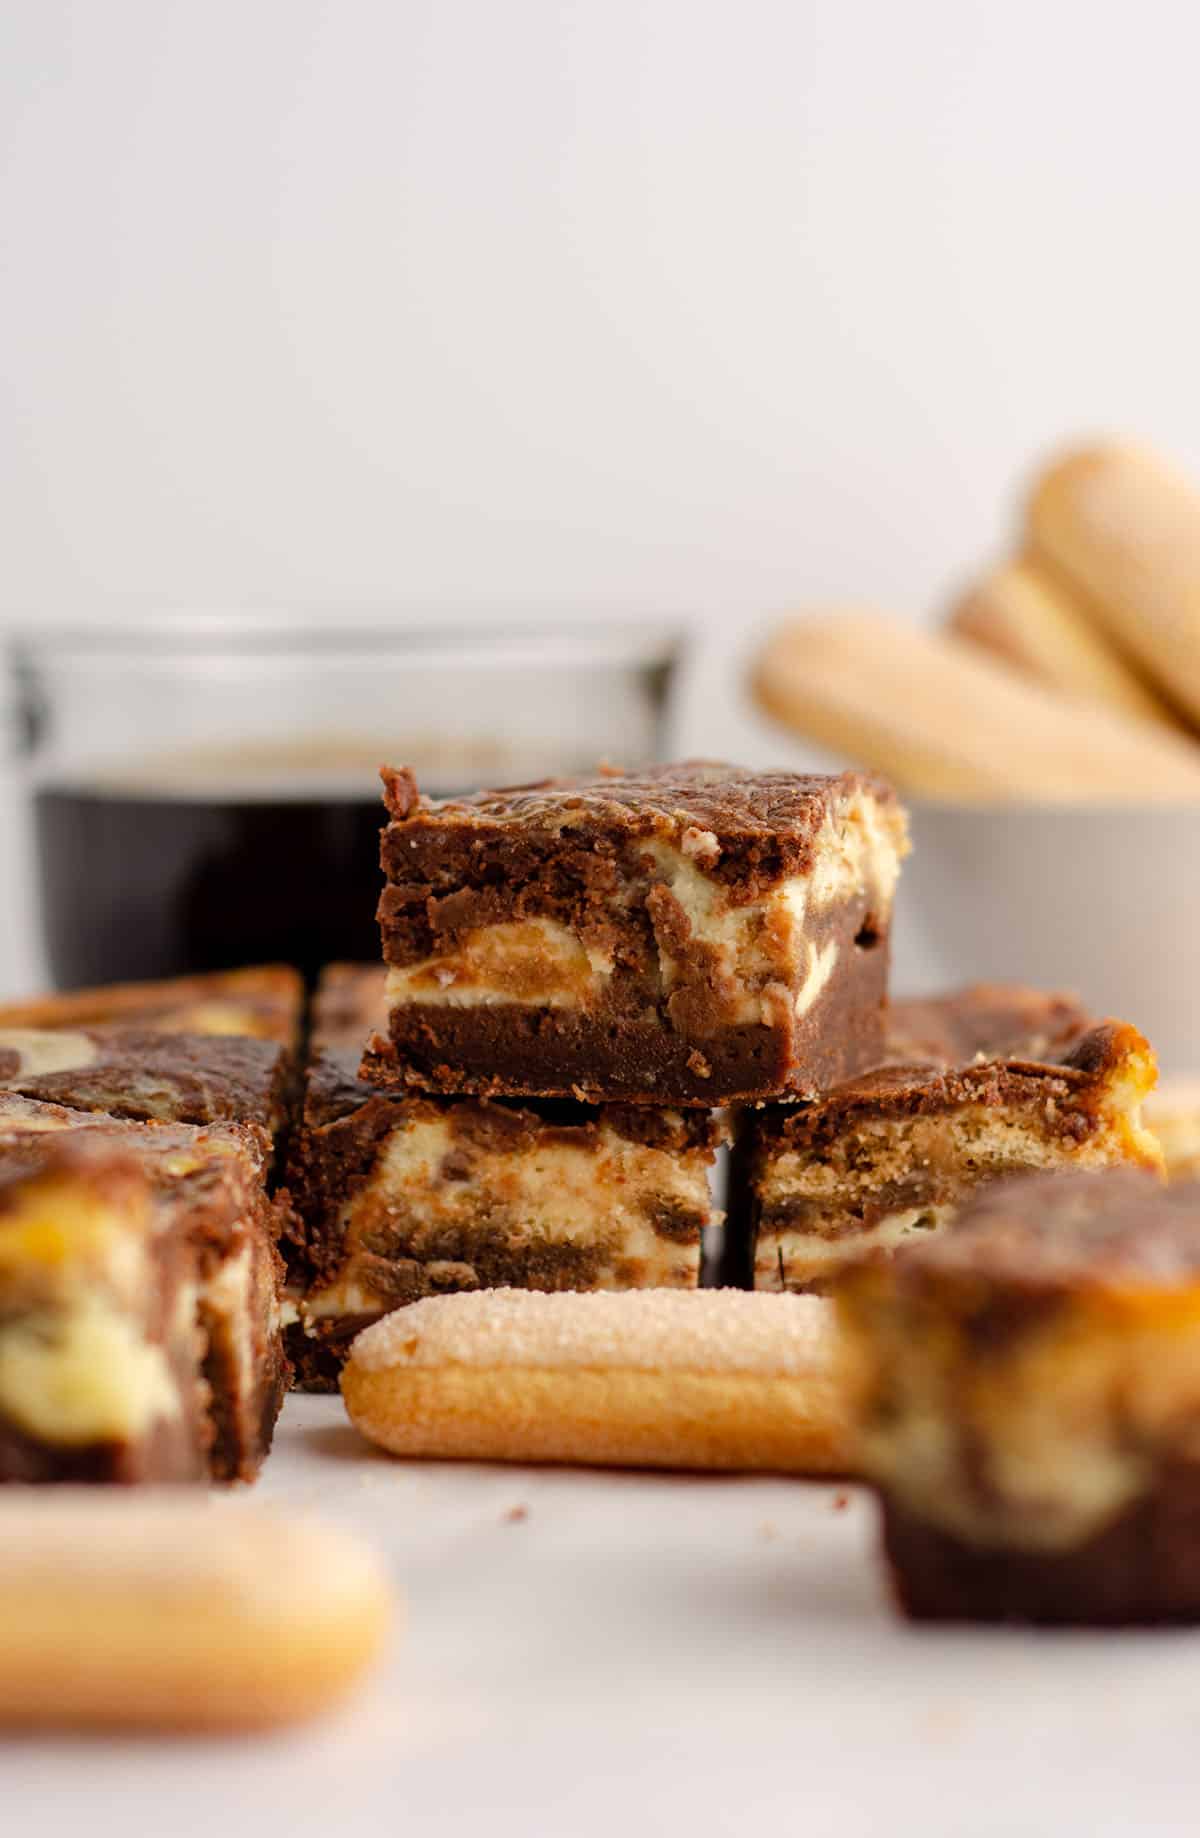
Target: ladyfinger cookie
(1124, 528)
(170, 1612)
(942, 719)
(708, 1379)
(1030, 620)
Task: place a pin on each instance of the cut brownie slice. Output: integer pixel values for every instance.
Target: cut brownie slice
(686, 935)
(987, 1082)
(265, 1002)
(100, 1345)
(151, 1076)
(1027, 1395)
(209, 1191)
(405, 1196)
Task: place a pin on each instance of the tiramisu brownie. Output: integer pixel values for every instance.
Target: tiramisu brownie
(265, 1002)
(142, 1074)
(404, 1196)
(685, 935)
(207, 1193)
(100, 1345)
(988, 1082)
(1027, 1394)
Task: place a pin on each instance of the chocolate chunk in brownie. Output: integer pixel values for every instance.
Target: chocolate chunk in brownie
(689, 934)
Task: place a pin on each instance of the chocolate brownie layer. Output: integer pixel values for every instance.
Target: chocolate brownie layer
(403, 1197)
(1141, 1570)
(1027, 1395)
(264, 1002)
(987, 1082)
(208, 1192)
(686, 935)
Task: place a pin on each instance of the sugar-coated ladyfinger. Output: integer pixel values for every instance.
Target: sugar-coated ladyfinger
(703, 1379)
(1124, 528)
(941, 718)
(1036, 623)
(166, 1611)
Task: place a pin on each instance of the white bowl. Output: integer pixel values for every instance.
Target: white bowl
(1102, 901)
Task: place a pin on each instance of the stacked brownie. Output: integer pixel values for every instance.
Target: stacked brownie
(587, 987)
(580, 978)
(589, 984)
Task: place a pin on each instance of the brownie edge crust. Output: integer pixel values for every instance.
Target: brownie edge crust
(691, 934)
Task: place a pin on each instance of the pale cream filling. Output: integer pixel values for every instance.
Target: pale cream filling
(229, 1295)
(859, 850)
(810, 1256)
(45, 1050)
(557, 1194)
(822, 962)
(1065, 1429)
(84, 1375)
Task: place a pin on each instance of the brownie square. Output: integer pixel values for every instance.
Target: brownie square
(210, 1209)
(1026, 1395)
(986, 1082)
(100, 1348)
(263, 1002)
(402, 1196)
(686, 935)
(150, 1076)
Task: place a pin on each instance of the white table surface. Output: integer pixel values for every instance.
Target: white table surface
(651, 1654)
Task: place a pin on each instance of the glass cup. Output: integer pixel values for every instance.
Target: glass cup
(205, 792)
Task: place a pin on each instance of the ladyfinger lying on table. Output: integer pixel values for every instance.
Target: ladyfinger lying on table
(708, 1379)
(165, 1611)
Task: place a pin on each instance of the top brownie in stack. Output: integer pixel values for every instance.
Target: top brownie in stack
(691, 934)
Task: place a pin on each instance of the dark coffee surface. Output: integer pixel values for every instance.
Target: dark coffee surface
(139, 886)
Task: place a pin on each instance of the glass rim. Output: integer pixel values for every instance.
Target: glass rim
(179, 636)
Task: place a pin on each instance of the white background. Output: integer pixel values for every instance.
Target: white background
(550, 306)
(711, 307)
(706, 308)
